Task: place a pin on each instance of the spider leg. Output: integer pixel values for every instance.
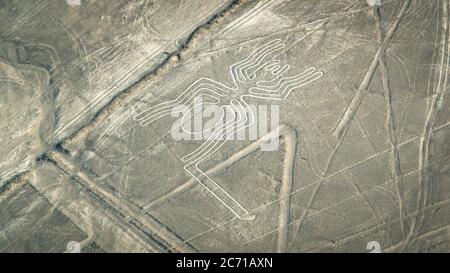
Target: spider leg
(279, 72)
(212, 145)
(265, 87)
(236, 69)
(219, 193)
(210, 148)
(285, 86)
(257, 63)
(266, 65)
(203, 86)
(213, 140)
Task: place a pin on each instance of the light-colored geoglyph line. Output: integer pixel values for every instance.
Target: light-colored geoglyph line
(109, 231)
(287, 181)
(261, 6)
(394, 161)
(347, 117)
(143, 84)
(120, 81)
(125, 116)
(187, 185)
(294, 222)
(244, 73)
(131, 212)
(437, 102)
(20, 20)
(374, 229)
(290, 139)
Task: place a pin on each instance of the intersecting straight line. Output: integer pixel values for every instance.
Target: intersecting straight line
(326, 178)
(347, 117)
(348, 199)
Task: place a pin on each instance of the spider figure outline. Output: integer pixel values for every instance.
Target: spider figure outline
(249, 77)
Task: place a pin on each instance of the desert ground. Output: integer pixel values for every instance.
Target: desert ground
(360, 91)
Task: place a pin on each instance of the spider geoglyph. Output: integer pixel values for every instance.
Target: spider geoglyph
(256, 76)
